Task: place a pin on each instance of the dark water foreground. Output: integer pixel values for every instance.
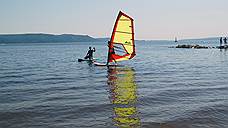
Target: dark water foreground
(43, 86)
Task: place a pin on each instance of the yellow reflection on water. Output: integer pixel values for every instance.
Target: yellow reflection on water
(123, 96)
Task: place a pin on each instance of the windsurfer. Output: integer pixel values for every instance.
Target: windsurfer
(112, 51)
(89, 54)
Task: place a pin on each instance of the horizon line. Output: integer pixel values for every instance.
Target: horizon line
(192, 38)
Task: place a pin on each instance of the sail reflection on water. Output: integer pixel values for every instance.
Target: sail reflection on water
(123, 96)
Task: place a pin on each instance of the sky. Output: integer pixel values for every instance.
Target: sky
(153, 19)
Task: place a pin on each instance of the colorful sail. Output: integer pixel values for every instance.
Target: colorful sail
(122, 44)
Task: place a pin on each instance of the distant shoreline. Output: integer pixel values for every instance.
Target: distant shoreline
(47, 38)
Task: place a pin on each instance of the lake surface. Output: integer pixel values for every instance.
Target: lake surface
(43, 86)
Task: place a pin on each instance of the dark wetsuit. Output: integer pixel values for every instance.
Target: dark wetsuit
(225, 41)
(89, 54)
(221, 41)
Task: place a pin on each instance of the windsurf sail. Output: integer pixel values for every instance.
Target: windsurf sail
(122, 43)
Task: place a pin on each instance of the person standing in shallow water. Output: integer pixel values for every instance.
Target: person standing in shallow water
(220, 41)
(89, 54)
(225, 41)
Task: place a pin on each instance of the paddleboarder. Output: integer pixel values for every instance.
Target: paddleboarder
(89, 54)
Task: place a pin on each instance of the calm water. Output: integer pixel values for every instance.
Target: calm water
(43, 86)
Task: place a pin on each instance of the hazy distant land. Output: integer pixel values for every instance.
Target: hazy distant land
(45, 38)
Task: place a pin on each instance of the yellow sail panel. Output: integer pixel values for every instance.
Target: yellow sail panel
(124, 24)
(123, 38)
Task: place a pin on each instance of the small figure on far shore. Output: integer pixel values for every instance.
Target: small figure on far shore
(89, 54)
(225, 41)
(176, 39)
(220, 41)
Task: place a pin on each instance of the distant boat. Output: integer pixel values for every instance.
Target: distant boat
(176, 39)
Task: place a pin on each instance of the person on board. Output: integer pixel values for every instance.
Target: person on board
(225, 41)
(111, 52)
(220, 41)
(89, 54)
